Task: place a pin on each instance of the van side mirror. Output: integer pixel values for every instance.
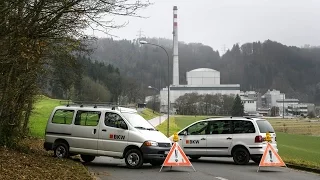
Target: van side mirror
(185, 133)
(123, 125)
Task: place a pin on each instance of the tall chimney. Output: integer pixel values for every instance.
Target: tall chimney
(175, 47)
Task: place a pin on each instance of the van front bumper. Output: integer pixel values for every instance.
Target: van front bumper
(154, 152)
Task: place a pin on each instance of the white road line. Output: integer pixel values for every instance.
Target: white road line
(221, 178)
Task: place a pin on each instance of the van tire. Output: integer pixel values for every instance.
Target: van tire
(134, 159)
(241, 156)
(87, 158)
(61, 150)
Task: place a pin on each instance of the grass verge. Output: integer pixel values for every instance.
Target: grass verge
(149, 114)
(38, 119)
(172, 126)
(30, 161)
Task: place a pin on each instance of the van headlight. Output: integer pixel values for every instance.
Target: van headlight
(150, 143)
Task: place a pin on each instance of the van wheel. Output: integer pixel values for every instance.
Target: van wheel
(61, 150)
(133, 159)
(87, 158)
(241, 156)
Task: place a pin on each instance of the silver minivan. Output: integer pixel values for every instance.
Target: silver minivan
(99, 131)
(242, 138)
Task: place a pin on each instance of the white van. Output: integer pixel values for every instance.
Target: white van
(100, 131)
(238, 137)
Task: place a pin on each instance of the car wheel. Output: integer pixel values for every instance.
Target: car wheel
(256, 159)
(61, 150)
(195, 157)
(87, 158)
(134, 159)
(156, 163)
(241, 156)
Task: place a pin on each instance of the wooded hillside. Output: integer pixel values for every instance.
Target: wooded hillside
(255, 66)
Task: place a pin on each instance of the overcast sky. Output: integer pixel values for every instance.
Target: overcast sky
(220, 23)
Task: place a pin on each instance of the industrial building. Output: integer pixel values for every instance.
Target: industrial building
(249, 100)
(302, 109)
(201, 81)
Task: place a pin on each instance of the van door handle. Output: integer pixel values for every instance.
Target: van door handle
(229, 138)
(104, 130)
(203, 139)
(94, 131)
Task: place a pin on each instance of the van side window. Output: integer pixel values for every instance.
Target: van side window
(220, 127)
(112, 119)
(240, 127)
(87, 118)
(198, 129)
(62, 116)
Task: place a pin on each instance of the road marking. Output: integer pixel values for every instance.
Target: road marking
(221, 178)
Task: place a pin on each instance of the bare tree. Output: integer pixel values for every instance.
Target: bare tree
(31, 32)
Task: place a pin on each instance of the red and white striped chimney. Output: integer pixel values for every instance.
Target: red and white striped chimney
(175, 47)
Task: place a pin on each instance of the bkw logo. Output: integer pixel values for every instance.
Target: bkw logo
(115, 136)
(192, 141)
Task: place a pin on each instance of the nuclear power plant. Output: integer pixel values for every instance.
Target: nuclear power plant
(201, 81)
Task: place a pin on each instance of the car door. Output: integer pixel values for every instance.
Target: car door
(219, 139)
(113, 138)
(195, 140)
(85, 131)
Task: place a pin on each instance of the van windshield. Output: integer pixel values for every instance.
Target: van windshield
(138, 121)
(265, 126)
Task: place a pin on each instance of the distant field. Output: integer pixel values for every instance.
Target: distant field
(296, 148)
(297, 126)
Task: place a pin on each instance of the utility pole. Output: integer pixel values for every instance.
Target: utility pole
(283, 106)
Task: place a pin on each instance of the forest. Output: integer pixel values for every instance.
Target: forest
(257, 66)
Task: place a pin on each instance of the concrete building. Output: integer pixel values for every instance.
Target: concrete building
(249, 100)
(250, 105)
(201, 81)
(283, 104)
(301, 109)
(271, 97)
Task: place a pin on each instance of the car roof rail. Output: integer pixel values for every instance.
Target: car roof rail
(111, 105)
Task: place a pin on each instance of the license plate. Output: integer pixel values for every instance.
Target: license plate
(166, 152)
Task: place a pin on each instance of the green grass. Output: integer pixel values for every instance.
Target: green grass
(293, 148)
(173, 128)
(39, 116)
(299, 149)
(183, 121)
(148, 114)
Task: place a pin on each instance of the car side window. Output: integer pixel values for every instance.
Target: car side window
(199, 128)
(87, 118)
(113, 120)
(62, 116)
(220, 127)
(241, 126)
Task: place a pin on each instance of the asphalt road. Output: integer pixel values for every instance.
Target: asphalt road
(206, 169)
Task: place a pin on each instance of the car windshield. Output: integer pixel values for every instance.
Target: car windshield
(265, 126)
(138, 121)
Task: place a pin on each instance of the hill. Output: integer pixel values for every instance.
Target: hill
(255, 66)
